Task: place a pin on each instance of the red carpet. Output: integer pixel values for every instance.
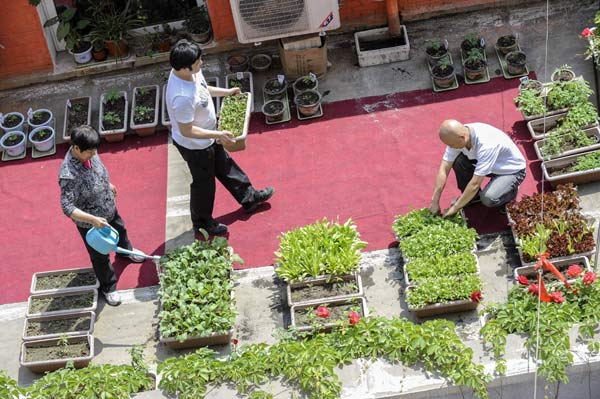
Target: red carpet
(37, 236)
(368, 159)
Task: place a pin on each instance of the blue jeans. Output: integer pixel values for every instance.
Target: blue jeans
(500, 190)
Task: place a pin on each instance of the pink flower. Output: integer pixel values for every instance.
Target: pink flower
(574, 271)
(523, 280)
(533, 289)
(235, 341)
(589, 278)
(353, 318)
(557, 297)
(476, 296)
(323, 311)
(587, 32)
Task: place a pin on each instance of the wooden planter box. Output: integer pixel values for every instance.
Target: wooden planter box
(145, 129)
(86, 103)
(320, 281)
(242, 76)
(566, 261)
(116, 134)
(37, 277)
(591, 132)
(76, 330)
(586, 176)
(41, 366)
(197, 341)
(360, 301)
(240, 141)
(442, 308)
(56, 297)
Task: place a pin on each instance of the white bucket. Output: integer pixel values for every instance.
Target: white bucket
(18, 127)
(47, 123)
(84, 57)
(17, 149)
(44, 145)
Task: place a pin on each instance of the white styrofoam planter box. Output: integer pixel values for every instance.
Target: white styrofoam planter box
(145, 129)
(66, 135)
(383, 55)
(117, 134)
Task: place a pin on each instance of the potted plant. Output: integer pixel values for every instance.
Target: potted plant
(237, 63)
(322, 317)
(9, 387)
(62, 302)
(113, 115)
(65, 280)
(570, 268)
(576, 169)
(472, 42)
(99, 50)
(567, 140)
(39, 118)
(531, 84)
(78, 111)
(144, 110)
(112, 23)
(308, 102)
(243, 80)
(52, 354)
(506, 44)
(196, 285)
(304, 83)
(260, 62)
(14, 143)
(275, 89)
(475, 64)
(443, 74)
(198, 25)
(436, 50)
(235, 118)
(70, 29)
(320, 262)
(42, 138)
(516, 62)
(44, 327)
(273, 110)
(563, 74)
(11, 121)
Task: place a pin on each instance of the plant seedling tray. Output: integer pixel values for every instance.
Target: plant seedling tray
(442, 308)
(433, 85)
(504, 66)
(41, 366)
(484, 79)
(410, 282)
(591, 132)
(40, 275)
(79, 330)
(317, 114)
(322, 280)
(39, 154)
(54, 296)
(287, 115)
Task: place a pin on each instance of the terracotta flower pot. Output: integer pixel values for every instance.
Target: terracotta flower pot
(118, 49)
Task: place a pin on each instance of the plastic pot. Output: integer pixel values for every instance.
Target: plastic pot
(443, 78)
(83, 56)
(273, 110)
(274, 90)
(44, 144)
(237, 63)
(507, 43)
(48, 122)
(516, 62)
(308, 102)
(260, 62)
(14, 150)
(16, 127)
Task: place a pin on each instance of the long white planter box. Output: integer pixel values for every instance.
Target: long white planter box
(586, 176)
(322, 280)
(145, 129)
(75, 315)
(91, 307)
(591, 132)
(55, 364)
(314, 304)
(39, 275)
(566, 261)
(245, 75)
(74, 101)
(116, 134)
(240, 141)
(381, 55)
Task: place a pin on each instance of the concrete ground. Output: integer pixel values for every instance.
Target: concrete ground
(259, 295)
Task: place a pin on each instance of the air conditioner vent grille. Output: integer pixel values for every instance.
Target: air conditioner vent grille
(272, 17)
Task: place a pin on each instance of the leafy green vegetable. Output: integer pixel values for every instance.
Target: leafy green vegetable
(438, 240)
(587, 162)
(233, 114)
(452, 265)
(408, 224)
(443, 289)
(9, 388)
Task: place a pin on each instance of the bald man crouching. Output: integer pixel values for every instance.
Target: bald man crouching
(474, 151)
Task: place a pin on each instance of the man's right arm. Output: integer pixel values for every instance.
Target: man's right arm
(195, 132)
(440, 183)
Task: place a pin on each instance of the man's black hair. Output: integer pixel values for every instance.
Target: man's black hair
(183, 54)
(85, 137)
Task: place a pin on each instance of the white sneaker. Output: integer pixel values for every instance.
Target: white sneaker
(137, 258)
(112, 298)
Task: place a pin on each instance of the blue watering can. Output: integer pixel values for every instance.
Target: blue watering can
(105, 240)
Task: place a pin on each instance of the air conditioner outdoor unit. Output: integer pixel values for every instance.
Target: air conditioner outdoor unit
(260, 20)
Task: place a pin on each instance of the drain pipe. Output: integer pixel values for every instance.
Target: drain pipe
(392, 17)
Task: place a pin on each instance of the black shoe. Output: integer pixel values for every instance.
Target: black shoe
(260, 196)
(216, 229)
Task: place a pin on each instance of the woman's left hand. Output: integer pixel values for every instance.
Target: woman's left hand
(113, 189)
(233, 91)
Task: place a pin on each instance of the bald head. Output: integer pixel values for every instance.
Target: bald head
(453, 133)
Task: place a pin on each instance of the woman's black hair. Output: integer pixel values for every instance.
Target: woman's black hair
(183, 54)
(85, 137)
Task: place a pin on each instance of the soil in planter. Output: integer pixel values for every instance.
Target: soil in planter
(40, 117)
(387, 42)
(569, 145)
(57, 326)
(12, 120)
(41, 135)
(475, 65)
(78, 113)
(13, 140)
(440, 72)
(273, 86)
(551, 278)
(338, 311)
(118, 107)
(328, 290)
(52, 351)
(562, 170)
(307, 98)
(563, 76)
(274, 108)
(65, 280)
(147, 100)
(243, 84)
(260, 62)
(506, 41)
(77, 301)
(305, 84)
(549, 126)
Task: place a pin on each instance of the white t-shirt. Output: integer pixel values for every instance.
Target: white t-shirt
(190, 102)
(494, 151)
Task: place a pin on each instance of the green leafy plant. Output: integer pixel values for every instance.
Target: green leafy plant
(410, 223)
(111, 118)
(443, 289)
(9, 388)
(70, 29)
(587, 162)
(198, 20)
(568, 94)
(195, 290)
(12, 120)
(452, 265)
(233, 114)
(321, 248)
(143, 113)
(438, 240)
(113, 95)
(534, 244)
(530, 102)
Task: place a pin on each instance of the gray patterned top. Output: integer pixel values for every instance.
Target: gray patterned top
(85, 189)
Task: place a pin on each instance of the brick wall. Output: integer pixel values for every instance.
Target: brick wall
(22, 35)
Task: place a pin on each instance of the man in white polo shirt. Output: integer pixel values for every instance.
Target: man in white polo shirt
(193, 127)
(474, 151)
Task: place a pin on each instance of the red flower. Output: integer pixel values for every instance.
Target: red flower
(557, 297)
(589, 278)
(533, 289)
(476, 296)
(235, 341)
(523, 280)
(574, 271)
(353, 317)
(587, 32)
(323, 311)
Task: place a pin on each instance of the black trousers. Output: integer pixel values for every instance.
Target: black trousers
(101, 263)
(204, 166)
